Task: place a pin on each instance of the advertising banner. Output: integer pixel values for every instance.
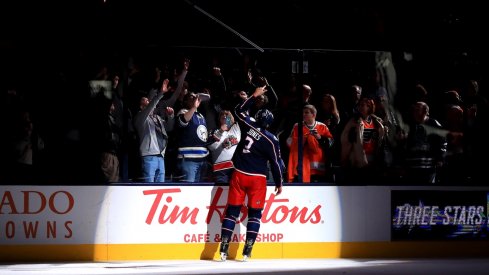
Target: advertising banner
(139, 214)
(439, 215)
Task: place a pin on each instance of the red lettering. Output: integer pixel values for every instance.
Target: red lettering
(268, 205)
(317, 216)
(28, 198)
(269, 237)
(7, 199)
(10, 229)
(275, 210)
(51, 229)
(30, 230)
(214, 207)
(302, 215)
(68, 229)
(52, 206)
(292, 214)
(221, 209)
(201, 238)
(280, 236)
(159, 194)
(175, 213)
(275, 215)
(185, 214)
(195, 238)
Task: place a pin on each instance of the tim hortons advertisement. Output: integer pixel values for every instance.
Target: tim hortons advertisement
(157, 214)
(439, 215)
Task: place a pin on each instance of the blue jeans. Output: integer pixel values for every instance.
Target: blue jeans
(192, 169)
(223, 176)
(153, 169)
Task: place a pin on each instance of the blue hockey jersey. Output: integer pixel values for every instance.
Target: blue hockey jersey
(257, 147)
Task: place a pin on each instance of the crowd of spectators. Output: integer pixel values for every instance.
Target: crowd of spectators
(169, 121)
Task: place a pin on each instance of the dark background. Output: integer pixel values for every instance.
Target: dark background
(39, 37)
(50, 49)
(295, 24)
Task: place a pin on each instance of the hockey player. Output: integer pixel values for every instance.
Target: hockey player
(257, 148)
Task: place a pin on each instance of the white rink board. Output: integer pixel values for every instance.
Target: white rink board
(131, 214)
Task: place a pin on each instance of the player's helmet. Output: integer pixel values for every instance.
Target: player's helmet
(264, 118)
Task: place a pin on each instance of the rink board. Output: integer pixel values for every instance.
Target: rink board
(152, 222)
